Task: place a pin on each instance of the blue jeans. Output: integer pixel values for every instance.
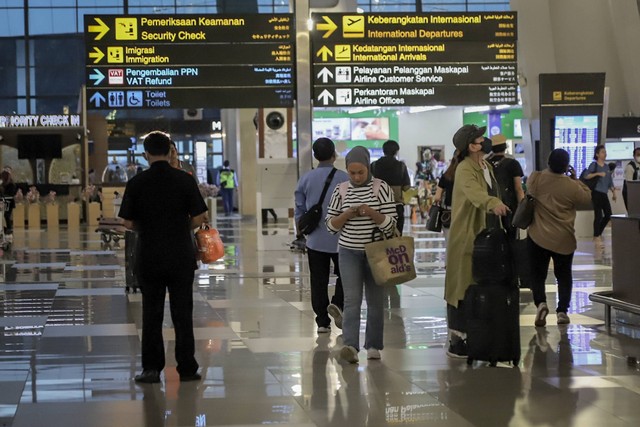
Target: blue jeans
(356, 277)
(227, 200)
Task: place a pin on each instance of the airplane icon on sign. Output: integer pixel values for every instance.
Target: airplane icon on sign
(353, 26)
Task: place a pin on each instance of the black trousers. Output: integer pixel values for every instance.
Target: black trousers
(180, 286)
(456, 317)
(319, 270)
(8, 218)
(601, 210)
(561, 269)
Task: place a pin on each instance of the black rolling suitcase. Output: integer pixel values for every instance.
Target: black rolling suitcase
(492, 259)
(493, 323)
(130, 250)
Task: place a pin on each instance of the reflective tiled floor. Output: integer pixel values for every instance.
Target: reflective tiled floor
(70, 346)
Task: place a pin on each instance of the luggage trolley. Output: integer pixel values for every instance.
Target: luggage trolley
(111, 229)
(5, 243)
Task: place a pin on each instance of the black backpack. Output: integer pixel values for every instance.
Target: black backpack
(505, 182)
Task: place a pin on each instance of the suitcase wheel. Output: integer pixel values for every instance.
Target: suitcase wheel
(493, 363)
(126, 289)
(469, 361)
(516, 362)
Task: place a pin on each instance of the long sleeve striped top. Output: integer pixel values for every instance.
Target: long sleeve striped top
(358, 231)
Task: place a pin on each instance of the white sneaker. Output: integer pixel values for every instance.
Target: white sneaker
(349, 354)
(335, 312)
(373, 354)
(323, 329)
(541, 315)
(563, 319)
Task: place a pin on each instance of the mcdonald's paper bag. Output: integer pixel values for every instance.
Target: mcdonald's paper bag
(391, 260)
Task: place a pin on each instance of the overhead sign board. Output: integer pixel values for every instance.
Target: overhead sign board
(414, 59)
(571, 89)
(189, 61)
(39, 120)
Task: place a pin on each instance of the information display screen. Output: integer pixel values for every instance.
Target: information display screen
(622, 150)
(579, 136)
(40, 146)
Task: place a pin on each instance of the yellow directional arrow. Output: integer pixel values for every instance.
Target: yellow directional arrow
(97, 55)
(325, 52)
(101, 28)
(328, 26)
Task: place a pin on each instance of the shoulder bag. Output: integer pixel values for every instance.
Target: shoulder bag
(524, 213)
(591, 182)
(438, 217)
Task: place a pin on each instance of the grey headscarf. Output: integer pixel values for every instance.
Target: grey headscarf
(359, 154)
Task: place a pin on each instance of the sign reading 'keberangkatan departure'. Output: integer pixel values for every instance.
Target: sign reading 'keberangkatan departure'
(189, 61)
(414, 60)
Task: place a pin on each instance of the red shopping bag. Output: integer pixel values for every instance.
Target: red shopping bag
(209, 244)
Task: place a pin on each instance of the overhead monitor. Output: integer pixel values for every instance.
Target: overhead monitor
(622, 150)
(39, 146)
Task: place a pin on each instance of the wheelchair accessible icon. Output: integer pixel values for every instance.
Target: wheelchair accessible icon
(134, 98)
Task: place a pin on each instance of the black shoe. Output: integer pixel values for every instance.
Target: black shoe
(457, 348)
(149, 376)
(194, 377)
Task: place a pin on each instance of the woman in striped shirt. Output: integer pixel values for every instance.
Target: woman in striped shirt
(360, 210)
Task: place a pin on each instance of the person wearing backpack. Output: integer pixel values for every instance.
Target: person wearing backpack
(393, 172)
(315, 187)
(599, 196)
(360, 210)
(227, 182)
(508, 172)
(631, 173)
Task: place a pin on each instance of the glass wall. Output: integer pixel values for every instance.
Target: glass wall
(433, 5)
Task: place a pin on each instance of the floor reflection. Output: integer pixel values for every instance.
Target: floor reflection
(70, 345)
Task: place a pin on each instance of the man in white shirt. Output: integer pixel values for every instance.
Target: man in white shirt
(631, 173)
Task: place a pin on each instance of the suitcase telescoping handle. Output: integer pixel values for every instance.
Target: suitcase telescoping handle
(501, 221)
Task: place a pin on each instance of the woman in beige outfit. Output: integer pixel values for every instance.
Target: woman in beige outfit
(472, 201)
(551, 235)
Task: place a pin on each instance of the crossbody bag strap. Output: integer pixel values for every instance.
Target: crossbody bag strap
(326, 185)
(635, 169)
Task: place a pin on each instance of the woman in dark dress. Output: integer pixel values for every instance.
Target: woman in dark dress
(8, 189)
(444, 192)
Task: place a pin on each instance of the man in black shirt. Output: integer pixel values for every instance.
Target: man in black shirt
(163, 205)
(393, 172)
(508, 172)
